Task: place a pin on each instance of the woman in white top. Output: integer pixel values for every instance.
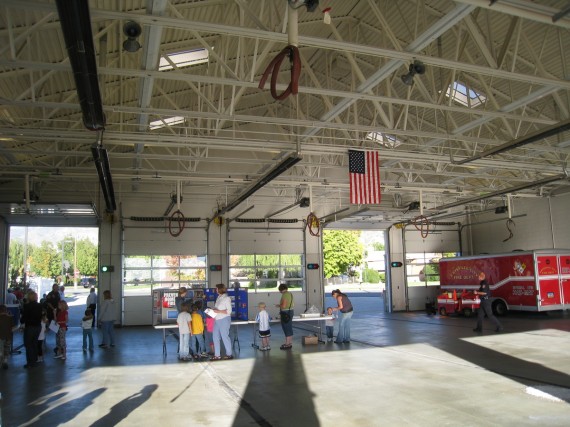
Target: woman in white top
(223, 319)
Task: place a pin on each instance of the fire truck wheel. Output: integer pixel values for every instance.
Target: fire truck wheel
(442, 311)
(499, 308)
(467, 312)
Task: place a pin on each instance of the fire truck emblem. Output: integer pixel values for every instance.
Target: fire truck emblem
(519, 268)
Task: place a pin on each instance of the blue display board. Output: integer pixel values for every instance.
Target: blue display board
(239, 301)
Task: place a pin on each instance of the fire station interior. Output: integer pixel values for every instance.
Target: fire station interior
(206, 129)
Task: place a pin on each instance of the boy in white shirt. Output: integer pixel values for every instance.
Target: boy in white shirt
(264, 331)
(184, 322)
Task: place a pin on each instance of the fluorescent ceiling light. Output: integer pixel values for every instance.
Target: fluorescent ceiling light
(169, 121)
(183, 59)
(389, 141)
(465, 96)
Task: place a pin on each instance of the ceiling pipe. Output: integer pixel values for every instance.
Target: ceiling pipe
(333, 214)
(76, 27)
(101, 160)
(505, 191)
(27, 192)
(303, 202)
(243, 212)
(287, 163)
(519, 142)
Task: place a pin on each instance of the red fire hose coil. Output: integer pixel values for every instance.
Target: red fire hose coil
(293, 53)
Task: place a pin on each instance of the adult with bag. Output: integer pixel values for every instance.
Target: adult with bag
(286, 306)
(345, 310)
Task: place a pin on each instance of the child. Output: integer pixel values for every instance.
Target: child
(264, 331)
(42, 336)
(210, 333)
(61, 316)
(329, 323)
(87, 326)
(184, 322)
(6, 327)
(197, 334)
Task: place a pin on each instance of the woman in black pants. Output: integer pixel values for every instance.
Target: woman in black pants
(286, 306)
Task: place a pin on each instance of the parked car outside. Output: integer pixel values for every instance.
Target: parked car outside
(88, 282)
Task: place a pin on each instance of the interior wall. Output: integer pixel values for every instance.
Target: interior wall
(217, 241)
(439, 239)
(277, 239)
(540, 223)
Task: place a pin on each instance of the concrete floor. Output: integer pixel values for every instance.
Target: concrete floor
(404, 369)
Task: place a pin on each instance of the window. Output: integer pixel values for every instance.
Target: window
(422, 269)
(389, 141)
(265, 273)
(169, 121)
(464, 95)
(183, 59)
(141, 273)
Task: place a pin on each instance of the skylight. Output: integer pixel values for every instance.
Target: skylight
(459, 92)
(169, 121)
(389, 141)
(183, 59)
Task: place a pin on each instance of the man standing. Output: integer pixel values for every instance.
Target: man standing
(11, 298)
(486, 307)
(31, 322)
(92, 304)
(52, 301)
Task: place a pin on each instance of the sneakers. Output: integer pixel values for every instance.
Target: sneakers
(40, 359)
(204, 355)
(263, 348)
(58, 356)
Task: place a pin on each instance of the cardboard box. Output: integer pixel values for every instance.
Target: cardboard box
(309, 340)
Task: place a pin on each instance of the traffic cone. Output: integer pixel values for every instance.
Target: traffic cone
(454, 295)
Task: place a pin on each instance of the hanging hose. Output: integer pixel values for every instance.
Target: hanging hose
(509, 223)
(293, 53)
(422, 224)
(178, 218)
(314, 225)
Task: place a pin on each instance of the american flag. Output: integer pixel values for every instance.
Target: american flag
(363, 168)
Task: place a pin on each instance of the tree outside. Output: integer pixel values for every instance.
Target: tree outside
(50, 259)
(342, 252)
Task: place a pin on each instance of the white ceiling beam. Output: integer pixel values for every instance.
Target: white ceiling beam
(267, 146)
(432, 33)
(316, 42)
(532, 11)
(172, 76)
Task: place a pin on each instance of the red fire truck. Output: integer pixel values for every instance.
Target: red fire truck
(465, 302)
(537, 280)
